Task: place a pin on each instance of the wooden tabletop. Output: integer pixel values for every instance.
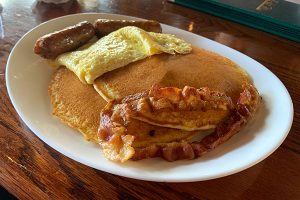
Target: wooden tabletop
(30, 169)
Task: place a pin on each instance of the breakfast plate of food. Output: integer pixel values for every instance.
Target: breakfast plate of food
(145, 100)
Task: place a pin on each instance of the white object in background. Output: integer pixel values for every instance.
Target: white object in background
(294, 1)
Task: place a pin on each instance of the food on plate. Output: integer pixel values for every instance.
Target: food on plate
(199, 68)
(245, 108)
(188, 109)
(169, 111)
(51, 45)
(106, 26)
(117, 136)
(120, 136)
(70, 38)
(75, 103)
(118, 49)
(153, 94)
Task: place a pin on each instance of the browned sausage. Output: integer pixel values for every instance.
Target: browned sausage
(106, 26)
(53, 44)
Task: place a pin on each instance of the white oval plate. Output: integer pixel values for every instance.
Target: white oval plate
(27, 78)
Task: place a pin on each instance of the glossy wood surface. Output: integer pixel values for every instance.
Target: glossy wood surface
(30, 169)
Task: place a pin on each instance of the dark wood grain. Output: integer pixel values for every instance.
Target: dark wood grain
(30, 169)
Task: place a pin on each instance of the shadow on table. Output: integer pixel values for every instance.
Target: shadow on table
(5, 195)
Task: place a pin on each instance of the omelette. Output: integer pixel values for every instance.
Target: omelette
(118, 49)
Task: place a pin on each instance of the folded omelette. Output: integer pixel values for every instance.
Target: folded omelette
(118, 49)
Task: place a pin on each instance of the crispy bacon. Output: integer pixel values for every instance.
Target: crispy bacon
(116, 126)
(187, 109)
(119, 114)
(247, 105)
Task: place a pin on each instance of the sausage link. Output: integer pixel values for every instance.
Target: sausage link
(106, 26)
(51, 45)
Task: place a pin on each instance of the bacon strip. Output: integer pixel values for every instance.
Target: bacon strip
(246, 107)
(116, 117)
(187, 109)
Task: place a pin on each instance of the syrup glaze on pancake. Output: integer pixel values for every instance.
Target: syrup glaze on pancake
(200, 68)
(75, 103)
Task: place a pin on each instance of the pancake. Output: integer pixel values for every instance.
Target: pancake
(200, 68)
(75, 103)
(79, 105)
